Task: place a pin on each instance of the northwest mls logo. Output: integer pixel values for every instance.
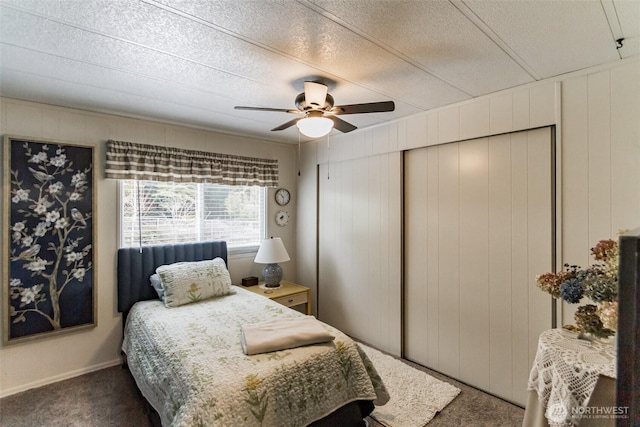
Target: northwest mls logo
(557, 413)
(603, 412)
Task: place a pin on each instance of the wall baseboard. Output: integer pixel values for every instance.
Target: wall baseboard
(58, 378)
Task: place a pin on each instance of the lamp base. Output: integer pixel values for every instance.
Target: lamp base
(272, 274)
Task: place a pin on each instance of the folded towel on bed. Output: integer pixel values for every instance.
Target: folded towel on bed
(281, 334)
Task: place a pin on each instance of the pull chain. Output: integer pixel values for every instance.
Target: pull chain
(298, 152)
(139, 214)
(328, 155)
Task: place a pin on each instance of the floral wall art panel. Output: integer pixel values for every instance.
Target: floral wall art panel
(49, 220)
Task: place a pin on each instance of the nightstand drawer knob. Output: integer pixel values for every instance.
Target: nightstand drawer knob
(292, 300)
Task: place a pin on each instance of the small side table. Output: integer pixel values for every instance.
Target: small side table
(564, 376)
(288, 294)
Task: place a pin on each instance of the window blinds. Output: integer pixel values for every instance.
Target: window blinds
(168, 212)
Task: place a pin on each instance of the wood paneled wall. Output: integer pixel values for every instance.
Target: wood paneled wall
(600, 161)
(478, 228)
(349, 201)
(360, 248)
(596, 114)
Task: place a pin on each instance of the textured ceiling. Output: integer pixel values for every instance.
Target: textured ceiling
(192, 61)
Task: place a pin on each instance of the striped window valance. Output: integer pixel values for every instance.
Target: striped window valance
(128, 160)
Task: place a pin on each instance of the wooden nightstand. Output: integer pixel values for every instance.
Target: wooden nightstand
(289, 294)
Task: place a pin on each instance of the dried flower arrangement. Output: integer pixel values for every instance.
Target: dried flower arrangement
(598, 282)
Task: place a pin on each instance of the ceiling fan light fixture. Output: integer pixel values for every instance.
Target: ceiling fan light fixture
(315, 103)
(315, 126)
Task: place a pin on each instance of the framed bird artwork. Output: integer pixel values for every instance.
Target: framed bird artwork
(49, 230)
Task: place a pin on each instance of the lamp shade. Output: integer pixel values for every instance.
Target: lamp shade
(272, 251)
(315, 126)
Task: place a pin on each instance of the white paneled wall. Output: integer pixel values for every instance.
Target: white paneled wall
(306, 225)
(598, 173)
(360, 212)
(478, 228)
(359, 280)
(448, 235)
(600, 161)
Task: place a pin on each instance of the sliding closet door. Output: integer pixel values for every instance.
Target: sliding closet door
(359, 248)
(478, 229)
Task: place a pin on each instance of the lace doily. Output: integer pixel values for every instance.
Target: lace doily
(565, 372)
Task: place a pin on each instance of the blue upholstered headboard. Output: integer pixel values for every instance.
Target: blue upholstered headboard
(134, 268)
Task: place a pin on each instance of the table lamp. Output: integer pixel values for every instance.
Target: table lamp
(271, 252)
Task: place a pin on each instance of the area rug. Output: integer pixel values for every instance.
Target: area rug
(416, 397)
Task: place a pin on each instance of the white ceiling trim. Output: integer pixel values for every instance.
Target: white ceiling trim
(324, 72)
(383, 46)
(471, 15)
(613, 20)
(192, 61)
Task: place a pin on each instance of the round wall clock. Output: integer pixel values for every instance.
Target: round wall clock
(283, 196)
(282, 218)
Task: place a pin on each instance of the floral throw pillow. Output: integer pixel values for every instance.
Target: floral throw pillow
(187, 282)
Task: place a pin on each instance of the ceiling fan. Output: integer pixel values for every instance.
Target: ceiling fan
(319, 113)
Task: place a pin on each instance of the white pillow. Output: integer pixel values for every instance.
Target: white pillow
(156, 284)
(187, 282)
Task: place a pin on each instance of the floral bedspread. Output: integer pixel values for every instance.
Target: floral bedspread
(188, 363)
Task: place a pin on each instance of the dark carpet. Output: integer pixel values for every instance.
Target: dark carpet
(109, 398)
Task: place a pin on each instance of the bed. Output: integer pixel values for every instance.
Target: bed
(189, 365)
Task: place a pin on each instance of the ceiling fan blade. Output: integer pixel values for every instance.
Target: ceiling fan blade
(371, 107)
(315, 94)
(341, 125)
(277, 110)
(287, 125)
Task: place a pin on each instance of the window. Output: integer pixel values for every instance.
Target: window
(154, 212)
